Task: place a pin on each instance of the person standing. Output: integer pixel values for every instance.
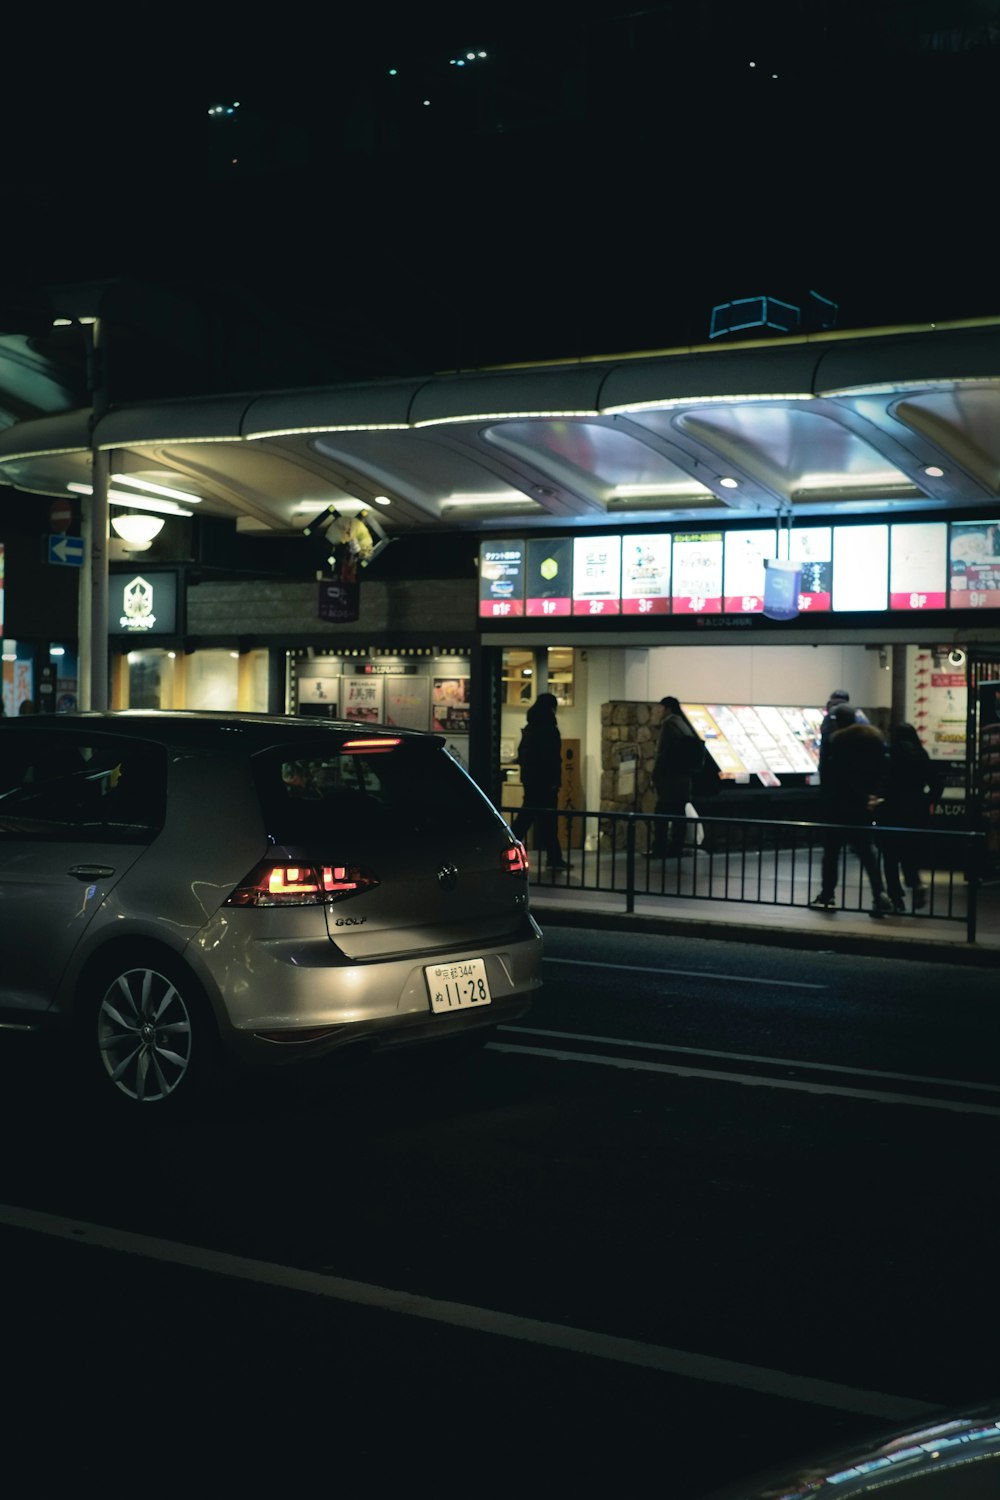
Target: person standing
(912, 785)
(852, 786)
(678, 753)
(837, 698)
(540, 757)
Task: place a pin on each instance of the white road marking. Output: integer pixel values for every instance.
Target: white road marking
(780, 1062)
(785, 984)
(704, 1367)
(756, 1080)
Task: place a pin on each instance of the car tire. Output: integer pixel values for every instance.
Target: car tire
(149, 1033)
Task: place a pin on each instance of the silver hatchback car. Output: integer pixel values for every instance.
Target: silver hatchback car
(183, 888)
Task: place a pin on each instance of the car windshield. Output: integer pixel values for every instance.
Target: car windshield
(406, 789)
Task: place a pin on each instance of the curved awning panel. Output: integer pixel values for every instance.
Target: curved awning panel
(765, 372)
(374, 407)
(567, 390)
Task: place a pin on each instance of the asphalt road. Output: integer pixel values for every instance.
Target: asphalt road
(708, 1208)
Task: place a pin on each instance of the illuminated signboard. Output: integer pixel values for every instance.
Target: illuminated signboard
(697, 585)
(974, 565)
(860, 567)
(597, 575)
(548, 584)
(744, 570)
(812, 547)
(501, 579)
(918, 565)
(645, 575)
(909, 567)
(142, 604)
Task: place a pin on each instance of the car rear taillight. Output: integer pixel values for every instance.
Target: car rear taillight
(515, 859)
(300, 885)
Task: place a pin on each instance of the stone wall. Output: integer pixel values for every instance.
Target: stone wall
(281, 608)
(629, 736)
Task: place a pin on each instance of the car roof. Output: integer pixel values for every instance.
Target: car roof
(244, 733)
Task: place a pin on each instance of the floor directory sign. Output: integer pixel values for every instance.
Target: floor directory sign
(597, 575)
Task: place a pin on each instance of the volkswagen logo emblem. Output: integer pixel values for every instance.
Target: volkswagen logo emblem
(448, 877)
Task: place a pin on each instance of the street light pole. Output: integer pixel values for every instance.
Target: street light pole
(93, 599)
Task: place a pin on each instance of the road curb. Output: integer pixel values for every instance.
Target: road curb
(818, 939)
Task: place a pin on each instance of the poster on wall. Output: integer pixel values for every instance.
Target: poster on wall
(860, 567)
(319, 697)
(407, 702)
(501, 580)
(697, 585)
(363, 699)
(549, 577)
(918, 565)
(746, 552)
(646, 575)
(936, 700)
(974, 565)
(450, 705)
(597, 575)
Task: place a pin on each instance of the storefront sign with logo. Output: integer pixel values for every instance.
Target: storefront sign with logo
(339, 600)
(143, 604)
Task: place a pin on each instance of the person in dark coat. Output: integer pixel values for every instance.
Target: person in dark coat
(912, 785)
(826, 728)
(673, 770)
(540, 757)
(852, 786)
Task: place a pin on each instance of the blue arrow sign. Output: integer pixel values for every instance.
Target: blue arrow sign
(67, 550)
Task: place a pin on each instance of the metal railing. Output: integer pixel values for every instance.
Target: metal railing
(764, 862)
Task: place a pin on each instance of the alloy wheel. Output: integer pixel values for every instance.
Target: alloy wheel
(145, 1034)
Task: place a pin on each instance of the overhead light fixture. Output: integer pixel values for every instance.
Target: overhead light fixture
(149, 488)
(135, 502)
(137, 530)
(507, 498)
(933, 472)
(729, 483)
(382, 500)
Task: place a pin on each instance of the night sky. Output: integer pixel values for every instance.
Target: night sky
(603, 177)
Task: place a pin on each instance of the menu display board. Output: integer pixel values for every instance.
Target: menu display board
(362, 699)
(746, 551)
(974, 565)
(501, 580)
(764, 741)
(646, 575)
(549, 577)
(860, 567)
(697, 585)
(597, 575)
(918, 565)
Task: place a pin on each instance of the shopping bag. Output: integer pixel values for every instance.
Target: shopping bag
(694, 833)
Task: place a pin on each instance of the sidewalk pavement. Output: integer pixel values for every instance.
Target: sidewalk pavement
(924, 939)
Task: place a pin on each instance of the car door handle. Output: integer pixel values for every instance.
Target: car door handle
(90, 872)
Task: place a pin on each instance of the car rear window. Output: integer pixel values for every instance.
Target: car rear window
(71, 784)
(407, 789)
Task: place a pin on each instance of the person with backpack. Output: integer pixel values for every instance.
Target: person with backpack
(679, 754)
(913, 784)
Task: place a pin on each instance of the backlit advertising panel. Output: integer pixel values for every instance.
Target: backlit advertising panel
(974, 565)
(743, 589)
(548, 583)
(501, 580)
(860, 567)
(645, 575)
(812, 547)
(697, 583)
(918, 565)
(597, 575)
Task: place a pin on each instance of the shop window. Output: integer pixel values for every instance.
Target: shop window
(560, 666)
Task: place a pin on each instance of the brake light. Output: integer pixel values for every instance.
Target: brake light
(369, 747)
(301, 885)
(515, 859)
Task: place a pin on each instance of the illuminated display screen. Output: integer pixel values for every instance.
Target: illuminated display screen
(744, 570)
(549, 577)
(645, 575)
(918, 565)
(697, 586)
(860, 567)
(501, 580)
(906, 566)
(597, 575)
(974, 565)
(812, 546)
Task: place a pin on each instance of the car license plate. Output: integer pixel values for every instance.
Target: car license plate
(458, 986)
